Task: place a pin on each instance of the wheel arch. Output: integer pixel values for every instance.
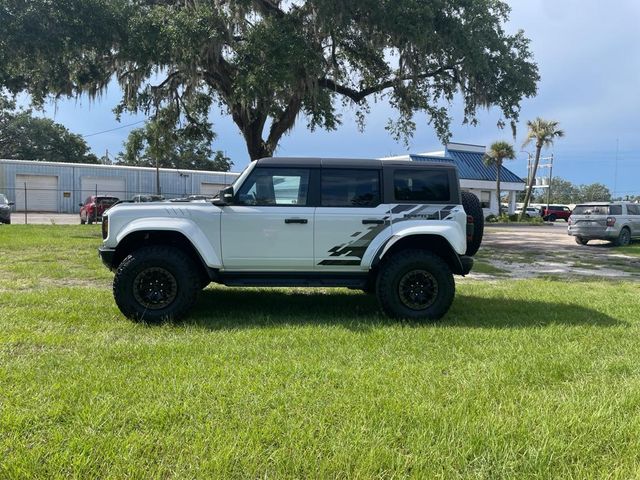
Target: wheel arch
(437, 244)
(144, 238)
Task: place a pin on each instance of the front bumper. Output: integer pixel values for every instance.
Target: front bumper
(107, 255)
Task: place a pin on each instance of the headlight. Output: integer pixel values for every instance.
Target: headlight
(105, 226)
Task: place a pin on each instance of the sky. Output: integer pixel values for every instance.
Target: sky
(587, 54)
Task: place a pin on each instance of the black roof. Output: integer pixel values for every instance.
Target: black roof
(346, 162)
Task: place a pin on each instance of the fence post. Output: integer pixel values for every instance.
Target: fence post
(25, 203)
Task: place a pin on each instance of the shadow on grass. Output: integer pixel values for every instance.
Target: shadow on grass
(221, 309)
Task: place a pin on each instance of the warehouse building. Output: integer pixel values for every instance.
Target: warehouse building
(61, 187)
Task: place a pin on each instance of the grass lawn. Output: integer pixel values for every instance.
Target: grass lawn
(523, 379)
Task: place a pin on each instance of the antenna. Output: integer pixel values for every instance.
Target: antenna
(615, 169)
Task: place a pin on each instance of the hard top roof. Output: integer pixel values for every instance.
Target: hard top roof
(346, 162)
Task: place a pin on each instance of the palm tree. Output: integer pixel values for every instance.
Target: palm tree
(499, 152)
(544, 132)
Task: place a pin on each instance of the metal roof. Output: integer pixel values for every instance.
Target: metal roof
(471, 166)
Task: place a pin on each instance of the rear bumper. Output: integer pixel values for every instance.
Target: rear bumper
(107, 255)
(595, 233)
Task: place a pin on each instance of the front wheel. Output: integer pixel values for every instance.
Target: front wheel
(416, 285)
(156, 283)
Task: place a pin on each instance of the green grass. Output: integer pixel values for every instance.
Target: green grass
(523, 379)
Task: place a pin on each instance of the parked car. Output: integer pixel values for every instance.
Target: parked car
(5, 209)
(94, 206)
(147, 198)
(618, 222)
(531, 212)
(556, 212)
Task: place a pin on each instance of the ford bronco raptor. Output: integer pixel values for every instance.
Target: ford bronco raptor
(399, 229)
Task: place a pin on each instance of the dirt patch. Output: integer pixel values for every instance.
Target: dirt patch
(547, 251)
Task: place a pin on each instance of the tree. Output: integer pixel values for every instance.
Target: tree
(25, 137)
(544, 132)
(595, 192)
(267, 62)
(162, 142)
(499, 152)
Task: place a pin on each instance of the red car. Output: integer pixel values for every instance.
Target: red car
(93, 208)
(556, 212)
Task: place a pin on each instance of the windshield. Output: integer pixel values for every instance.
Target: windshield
(592, 210)
(3, 199)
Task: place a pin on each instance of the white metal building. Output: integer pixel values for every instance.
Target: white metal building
(60, 187)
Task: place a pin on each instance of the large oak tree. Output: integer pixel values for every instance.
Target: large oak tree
(266, 62)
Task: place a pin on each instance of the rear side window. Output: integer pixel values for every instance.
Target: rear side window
(598, 210)
(421, 185)
(633, 209)
(349, 188)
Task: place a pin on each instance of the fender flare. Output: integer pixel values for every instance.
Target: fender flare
(188, 228)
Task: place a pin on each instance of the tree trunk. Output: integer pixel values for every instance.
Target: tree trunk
(532, 180)
(498, 168)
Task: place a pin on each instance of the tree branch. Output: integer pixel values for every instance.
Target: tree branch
(284, 122)
(358, 95)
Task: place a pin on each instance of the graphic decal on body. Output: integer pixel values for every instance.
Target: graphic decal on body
(358, 247)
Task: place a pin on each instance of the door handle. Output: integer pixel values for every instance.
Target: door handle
(296, 220)
(372, 221)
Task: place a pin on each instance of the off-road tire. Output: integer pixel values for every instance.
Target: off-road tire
(472, 207)
(396, 277)
(581, 240)
(169, 269)
(624, 238)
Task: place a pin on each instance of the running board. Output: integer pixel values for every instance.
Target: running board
(297, 279)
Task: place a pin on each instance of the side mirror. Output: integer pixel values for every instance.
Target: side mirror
(11, 204)
(225, 197)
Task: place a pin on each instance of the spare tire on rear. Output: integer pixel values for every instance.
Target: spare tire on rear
(472, 207)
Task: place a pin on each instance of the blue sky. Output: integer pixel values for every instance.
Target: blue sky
(587, 53)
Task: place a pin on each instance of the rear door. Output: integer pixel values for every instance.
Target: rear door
(349, 216)
(634, 219)
(590, 219)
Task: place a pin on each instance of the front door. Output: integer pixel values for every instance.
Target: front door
(270, 226)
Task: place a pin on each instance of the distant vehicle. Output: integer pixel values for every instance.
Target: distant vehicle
(556, 212)
(5, 209)
(617, 222)
(531, 212)
(147, 198)
(94, 206)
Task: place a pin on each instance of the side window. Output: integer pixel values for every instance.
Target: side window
(275, 186)
(421, 185)
(633, 209)
(349, 188)
(615, 210)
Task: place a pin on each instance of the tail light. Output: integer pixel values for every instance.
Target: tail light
(470, 228)
(611, 221)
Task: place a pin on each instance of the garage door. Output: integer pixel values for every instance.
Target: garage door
(42, 193)
(211, 188)
(110, 186)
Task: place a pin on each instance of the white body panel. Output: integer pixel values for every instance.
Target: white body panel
(258, 238)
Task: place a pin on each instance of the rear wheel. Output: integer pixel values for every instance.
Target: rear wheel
(624, 238)
(552, 218)
(581, 240)
(472, 207)
(416, 285)
(156, 283)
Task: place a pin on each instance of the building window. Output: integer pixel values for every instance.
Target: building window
(485, 199)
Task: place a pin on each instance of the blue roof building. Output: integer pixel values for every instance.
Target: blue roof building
(475, 176)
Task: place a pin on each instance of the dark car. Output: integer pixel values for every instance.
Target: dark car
(94, 206)
(5, 209)
(556, 212)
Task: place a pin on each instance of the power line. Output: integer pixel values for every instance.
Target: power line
(113, 129)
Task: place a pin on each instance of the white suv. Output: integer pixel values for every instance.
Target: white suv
(396, 228)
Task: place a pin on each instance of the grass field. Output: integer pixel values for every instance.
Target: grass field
(523, 379)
